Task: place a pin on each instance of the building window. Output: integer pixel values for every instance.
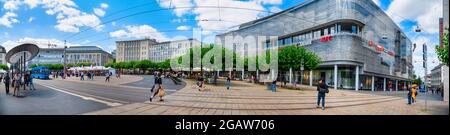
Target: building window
(287, 41)
(280, 42)
(348, 27)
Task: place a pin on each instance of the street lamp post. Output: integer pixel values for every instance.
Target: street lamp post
(419, 30)
(64, 60)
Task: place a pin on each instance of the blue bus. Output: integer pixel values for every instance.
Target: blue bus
(40, 72)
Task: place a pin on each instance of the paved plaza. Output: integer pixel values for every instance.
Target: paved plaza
(250, 99)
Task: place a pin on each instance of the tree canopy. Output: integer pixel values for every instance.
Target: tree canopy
(293, 56)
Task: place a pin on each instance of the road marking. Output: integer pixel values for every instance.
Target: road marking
(86, 97)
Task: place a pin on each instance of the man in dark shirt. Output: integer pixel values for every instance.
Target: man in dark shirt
(158, 81)
(7, 81)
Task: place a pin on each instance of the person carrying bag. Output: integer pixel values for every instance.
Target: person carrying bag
(322, 90)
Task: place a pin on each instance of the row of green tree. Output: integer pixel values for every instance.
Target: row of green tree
(290, 57)
(142, 65)
(60, 66)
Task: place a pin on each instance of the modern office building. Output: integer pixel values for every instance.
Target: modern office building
(132, 50)
(360, 46)
(75, 55)
(150, 49)
(48, 56)
(88, 54)
(2, 55)
(167, 50)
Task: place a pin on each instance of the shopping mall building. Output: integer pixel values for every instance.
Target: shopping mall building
(361, 47)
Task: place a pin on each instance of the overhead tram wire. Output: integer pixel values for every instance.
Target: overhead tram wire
(163, 9)
(166, 31)
(114, 13)
(107, 32)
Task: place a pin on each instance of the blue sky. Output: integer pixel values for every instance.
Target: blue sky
(53, 21)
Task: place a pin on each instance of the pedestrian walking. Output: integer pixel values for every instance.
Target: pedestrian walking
(409, 94)
(82, 76)
(16, 85)
(200, 81)
(414, 93)
(7, 80)
(31, 84)
(1, 78)
(154, 82)
(107, 77)
(322, 90)
(92, 76)
(228, 82)
(158, 82)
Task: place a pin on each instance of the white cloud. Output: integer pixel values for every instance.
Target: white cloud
(8, 19)
(69, 17)
(72, 24)
(104, 6)
(229, 17)
(378, 2)
(418, 55)
(31, 19)
(99, 12)
(142, 31)
(32, 3)
(11, 5)
(41, 42)
(183, 28)
(182, 7)
(425, 12)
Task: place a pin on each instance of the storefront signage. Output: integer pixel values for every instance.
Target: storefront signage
(380, 48)
(326, 38)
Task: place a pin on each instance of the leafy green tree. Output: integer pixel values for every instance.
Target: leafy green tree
(293, 56)
(443, 51)
(4, 67)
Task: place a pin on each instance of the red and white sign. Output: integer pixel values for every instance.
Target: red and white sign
(380, 48)
(326, 38)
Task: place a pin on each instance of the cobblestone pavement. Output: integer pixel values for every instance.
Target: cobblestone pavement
(100, 80)
(249, 99)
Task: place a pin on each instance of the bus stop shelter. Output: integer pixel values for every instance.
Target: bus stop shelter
(19, 55)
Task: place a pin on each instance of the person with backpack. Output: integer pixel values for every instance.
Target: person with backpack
(409, 94)
(159, 83)
(322, 90)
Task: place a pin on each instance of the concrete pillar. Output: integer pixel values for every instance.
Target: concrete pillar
(257, 75)
(335, 76)
(243, 72)
(357, 78)
(290, 75)
(311, 78)
(384, 84)
(396, 85)
(373, 83)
